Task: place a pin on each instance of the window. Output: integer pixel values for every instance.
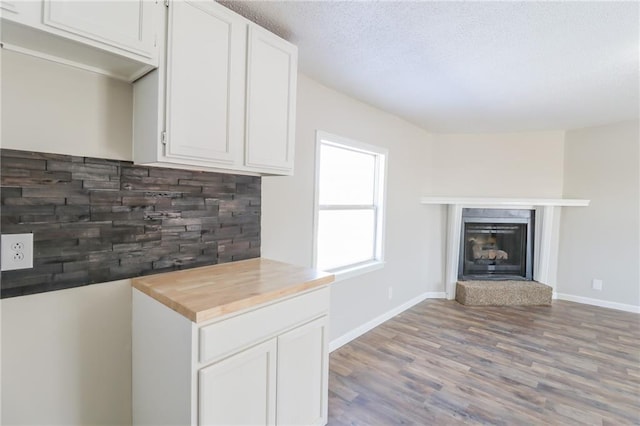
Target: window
(350, 186)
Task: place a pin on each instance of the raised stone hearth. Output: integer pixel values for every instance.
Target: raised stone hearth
(502, 293)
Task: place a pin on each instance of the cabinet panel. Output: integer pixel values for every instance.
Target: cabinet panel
(24, 12)
(114, 38)
(241, 389)
(8, 6)
(271, 88)
(222, 338)
(303, 375)
(205, 82)
(122, 24)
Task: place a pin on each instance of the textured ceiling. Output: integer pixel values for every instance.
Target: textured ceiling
(470, 66)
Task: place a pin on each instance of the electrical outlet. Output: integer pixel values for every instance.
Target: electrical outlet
(596, 284)
(390, 293)
(17, 251)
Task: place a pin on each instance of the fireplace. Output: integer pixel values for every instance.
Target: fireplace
(541, 234)
(496, 244)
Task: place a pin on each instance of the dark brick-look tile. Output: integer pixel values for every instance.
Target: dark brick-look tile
(97, 220)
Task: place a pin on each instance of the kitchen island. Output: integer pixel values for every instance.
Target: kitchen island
(238, 343)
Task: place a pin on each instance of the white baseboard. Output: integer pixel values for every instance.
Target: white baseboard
(597, 302)
(359, 331)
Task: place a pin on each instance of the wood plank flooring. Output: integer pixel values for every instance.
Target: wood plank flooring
(442, 363)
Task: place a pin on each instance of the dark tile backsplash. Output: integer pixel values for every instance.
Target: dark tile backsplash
(96, 220)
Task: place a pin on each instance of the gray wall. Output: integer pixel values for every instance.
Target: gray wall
(287, 209)
(516, 165)
(602, 241)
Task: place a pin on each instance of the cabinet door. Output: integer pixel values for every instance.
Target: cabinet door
(9, 10)
(205, 83)
(129, 26)
(271, 101)
(241, 389)
(303, 375)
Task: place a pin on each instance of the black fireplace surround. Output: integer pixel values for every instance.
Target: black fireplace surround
(496, 244)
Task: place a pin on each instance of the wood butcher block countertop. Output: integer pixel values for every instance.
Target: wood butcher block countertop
(201, 294)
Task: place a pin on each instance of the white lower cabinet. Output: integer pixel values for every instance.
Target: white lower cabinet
(263, 366)
(302, 382)
(240, 390)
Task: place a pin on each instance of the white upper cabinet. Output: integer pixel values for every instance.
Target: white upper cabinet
(118, 24)
(205, 83)
(116, 38)
(223, 97)
(271, 89)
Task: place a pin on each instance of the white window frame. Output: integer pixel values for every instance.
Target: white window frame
(379, 203)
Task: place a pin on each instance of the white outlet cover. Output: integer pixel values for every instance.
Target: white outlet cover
(596, 284)
(11, 259)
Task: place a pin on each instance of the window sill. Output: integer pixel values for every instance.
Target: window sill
(353, 271)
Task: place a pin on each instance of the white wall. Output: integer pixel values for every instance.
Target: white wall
(287, 204)
(48, 107)
(66, 355)
(500, 165)
(508, 165)
(603, 240)
(528, 164)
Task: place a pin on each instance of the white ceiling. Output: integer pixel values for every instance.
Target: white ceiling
(470, 66)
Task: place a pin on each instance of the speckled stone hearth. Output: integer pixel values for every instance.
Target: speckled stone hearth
(501, 293)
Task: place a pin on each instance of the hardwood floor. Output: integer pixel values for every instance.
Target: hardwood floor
(443, 363)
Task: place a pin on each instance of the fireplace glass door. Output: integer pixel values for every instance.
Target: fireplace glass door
(496, 247)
